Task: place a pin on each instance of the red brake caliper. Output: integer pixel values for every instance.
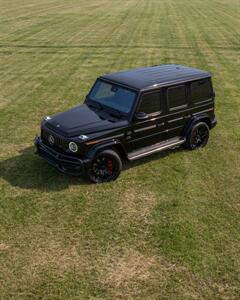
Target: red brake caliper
(110, 165)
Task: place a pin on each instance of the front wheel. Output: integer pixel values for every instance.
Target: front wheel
(106, 166)
(198, 136)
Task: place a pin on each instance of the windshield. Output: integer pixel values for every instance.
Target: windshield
(112, 96)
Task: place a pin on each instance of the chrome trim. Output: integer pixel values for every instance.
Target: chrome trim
(181, 126)
(175, 120)
(203, 111)
(149, 120)
(202, 101)
(178, 107)
(145, 128)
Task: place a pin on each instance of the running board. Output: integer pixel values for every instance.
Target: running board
(155, 148)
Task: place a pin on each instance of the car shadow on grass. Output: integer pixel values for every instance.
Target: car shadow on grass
(29, 171)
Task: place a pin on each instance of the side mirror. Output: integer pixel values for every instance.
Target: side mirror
(141, 116)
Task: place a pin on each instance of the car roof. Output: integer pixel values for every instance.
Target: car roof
(156, 76)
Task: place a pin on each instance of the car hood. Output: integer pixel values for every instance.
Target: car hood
(82, 120)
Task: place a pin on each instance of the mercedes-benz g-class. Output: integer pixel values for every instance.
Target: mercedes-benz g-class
(128, 115)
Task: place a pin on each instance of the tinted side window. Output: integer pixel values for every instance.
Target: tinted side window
(201, 90)
(177, 97)
(150, 103)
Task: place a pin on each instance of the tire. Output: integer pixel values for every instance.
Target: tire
(106, 166)
(198, 136)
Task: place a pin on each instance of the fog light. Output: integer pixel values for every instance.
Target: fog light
(73, 147)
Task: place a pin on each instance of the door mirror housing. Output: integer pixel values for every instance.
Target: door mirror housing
(141, 116)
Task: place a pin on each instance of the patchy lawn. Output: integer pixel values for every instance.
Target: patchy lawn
(169, 227)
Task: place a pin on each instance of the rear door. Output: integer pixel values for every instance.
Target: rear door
(178, 109)
(153, 129)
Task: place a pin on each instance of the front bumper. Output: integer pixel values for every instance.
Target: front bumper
(64, 163)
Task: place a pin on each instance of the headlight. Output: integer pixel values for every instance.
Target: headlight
(73, 147)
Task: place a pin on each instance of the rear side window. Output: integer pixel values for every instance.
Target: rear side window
(150, 103)
(177, 97)
(201, 90)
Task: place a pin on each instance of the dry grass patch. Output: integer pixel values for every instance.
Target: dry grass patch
(39, 266)
(58, 258)
(4, 102)
(52, 257)
(129, 266)
(3, 247)
(129, 274)
(123, 271)
(136, 206)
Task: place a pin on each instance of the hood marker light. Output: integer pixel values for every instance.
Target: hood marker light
(83, 137)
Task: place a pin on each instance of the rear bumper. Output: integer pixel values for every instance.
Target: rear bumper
(64, 163)
(214, 122)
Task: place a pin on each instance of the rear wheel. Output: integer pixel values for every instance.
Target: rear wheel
(106, 166)
(198, 136)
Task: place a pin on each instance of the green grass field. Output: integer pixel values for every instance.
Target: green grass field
(169, 227)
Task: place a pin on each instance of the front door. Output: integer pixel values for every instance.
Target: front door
(152, 129)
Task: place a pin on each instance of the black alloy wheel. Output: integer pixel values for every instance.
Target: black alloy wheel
(105, 167)
(198, 137)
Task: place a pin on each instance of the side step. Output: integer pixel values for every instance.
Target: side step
(174, 142)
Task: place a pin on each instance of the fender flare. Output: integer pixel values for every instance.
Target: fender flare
(195, 119)
(110, 144)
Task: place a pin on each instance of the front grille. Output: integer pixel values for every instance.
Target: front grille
(59, 142)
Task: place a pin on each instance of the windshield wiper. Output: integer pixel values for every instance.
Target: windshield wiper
(110, 110)
(115, 113)
(95, 105)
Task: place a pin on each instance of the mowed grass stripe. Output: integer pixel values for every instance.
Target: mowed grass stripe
(47, 42)
(227, 69)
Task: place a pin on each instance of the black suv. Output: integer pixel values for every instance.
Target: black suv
(128, 115)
